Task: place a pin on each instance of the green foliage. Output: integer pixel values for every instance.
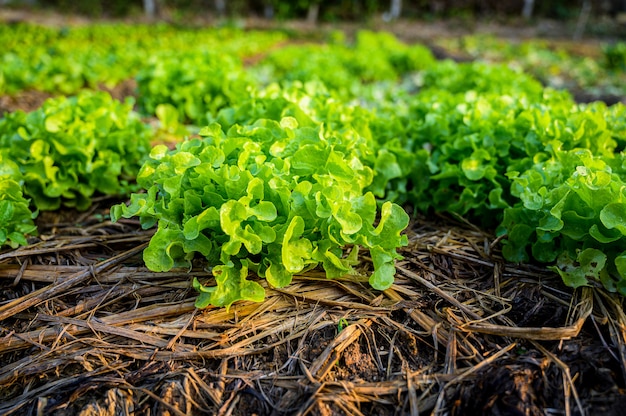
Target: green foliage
(615, 56)
(199, 84)
(492, 145)
(16, 219)
(272, 197)
(480, 77)
(572, 210)
(72, 147)
(449, 148)
(65, 60)
(344, 69)
(556, 67)
(308, 152)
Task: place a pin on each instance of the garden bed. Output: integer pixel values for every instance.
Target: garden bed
(89, 330)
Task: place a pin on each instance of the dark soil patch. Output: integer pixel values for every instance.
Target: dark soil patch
(25, 100)
(582, 96)
(126, 88)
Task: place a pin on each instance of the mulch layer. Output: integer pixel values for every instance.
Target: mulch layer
(86, 329)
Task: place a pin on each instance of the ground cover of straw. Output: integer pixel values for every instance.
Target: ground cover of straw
(86, 329)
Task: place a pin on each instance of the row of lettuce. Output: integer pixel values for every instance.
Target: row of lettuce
(68, 59)
(310, 153)
(62, 154)
(589, 69)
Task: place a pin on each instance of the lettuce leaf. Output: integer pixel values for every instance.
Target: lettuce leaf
(16, 218)
(71, 148)
(270, 197)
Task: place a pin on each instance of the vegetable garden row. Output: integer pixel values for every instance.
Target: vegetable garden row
(307, 154)
(599, 71)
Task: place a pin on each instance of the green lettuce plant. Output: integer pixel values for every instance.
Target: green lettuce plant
(71, 148)
(345, 69)
(197, 83)
(271, 197)
(68, 59)
(572, 211)
(16, 218)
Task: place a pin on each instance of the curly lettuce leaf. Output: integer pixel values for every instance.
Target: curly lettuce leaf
(272, 197)
(16, 217)
(71, 148)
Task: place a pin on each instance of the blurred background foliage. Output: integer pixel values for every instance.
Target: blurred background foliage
(336, 10)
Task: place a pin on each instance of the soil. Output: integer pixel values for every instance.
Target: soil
(85, 329)
(24, 100)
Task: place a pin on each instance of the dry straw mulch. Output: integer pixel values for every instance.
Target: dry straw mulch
(86, 329)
